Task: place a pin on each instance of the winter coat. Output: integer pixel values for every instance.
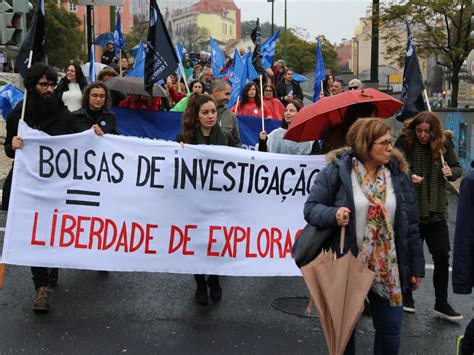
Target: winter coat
(63, 86)
(463, 258)
(55, 124)
(230, 125)
(83, 121)
(333, 189)
(216, 137)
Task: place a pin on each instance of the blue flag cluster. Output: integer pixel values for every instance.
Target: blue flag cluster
(217, 58)
(10, 96)
(138, 69)
(119, 40)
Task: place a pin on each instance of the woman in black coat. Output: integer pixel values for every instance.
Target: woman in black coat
(95, 112)
(70, 87)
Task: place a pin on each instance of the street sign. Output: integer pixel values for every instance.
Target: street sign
(101, 2)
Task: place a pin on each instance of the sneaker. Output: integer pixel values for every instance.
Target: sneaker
(408, 304)
(447, 312)
(458, 344)
(41, 303)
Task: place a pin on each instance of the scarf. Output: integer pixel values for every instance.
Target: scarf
(216, 137)
(378, 251)
(430, 192)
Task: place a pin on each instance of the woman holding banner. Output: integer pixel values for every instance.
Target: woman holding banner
(275, 143)
(432, 162)
(199, 126)
(250, 105)
(365, 188)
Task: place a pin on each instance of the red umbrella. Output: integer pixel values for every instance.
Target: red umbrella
(312, 120)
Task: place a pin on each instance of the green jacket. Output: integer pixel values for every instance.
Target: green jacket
(229, 124)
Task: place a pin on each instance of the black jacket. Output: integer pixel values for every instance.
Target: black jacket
(83, 121)
(54, 124)
(463, 256)
(333, 189)
(282, 91)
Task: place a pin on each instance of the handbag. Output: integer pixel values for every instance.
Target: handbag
(311, 241)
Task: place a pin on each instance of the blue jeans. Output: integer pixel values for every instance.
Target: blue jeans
(387, 322)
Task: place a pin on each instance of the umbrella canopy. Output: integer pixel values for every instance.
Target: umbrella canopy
(98, 68)
(338, 289)
(133, 86)
(312, 120)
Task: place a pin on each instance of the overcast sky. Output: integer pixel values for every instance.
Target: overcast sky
(335, 19)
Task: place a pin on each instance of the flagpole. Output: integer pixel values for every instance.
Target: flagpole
(23, 108)
(425, 96)
(120, 61)
(261, 102)
(237, 105)
(183, 74)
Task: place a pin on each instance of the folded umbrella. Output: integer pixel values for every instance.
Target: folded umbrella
(338, 288)
(311, 121)
(133, 86)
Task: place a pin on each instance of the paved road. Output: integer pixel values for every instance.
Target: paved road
(155, 313)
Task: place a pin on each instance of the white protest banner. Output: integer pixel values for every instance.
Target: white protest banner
(130, 204)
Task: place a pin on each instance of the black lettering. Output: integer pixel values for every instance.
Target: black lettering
(89, 165)
(75, 175)
(229, 176)
(65, 153)
(119, 178)
(275, 182)
(185, 172)
(154, 170)
(264, 179)
(104, 168)
(282, 180)
(45, 161)
(146, 162)
(214, 172)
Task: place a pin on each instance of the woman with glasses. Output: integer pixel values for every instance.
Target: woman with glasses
(365, 188)
(433, 162)
(95, 112)
(271, 103)
(70, 87)
(250, 104)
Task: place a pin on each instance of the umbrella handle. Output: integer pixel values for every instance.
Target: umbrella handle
(342, 239)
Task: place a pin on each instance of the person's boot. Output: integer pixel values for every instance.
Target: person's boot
(53, 277)
(201, 296)
(215, 291)
(41, 303)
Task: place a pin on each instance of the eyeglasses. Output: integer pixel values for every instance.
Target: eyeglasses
(45, 85)
(352, 87)
(385, 143)
(268, 90)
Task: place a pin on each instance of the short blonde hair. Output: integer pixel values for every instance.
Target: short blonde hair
(362, 135)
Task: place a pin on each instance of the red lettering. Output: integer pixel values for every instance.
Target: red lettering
(227, 245)
(96, 233)
(187, 239)
(248, 254)
(109, 222)
(171, 247)
(133, 247)
(239, 236)
(123, 240)
(149, 238)
(276, 240)
(53, 228)
(33, 232)
(288, 244)
(265, 232)
(79, 230)
(67, 230)
(212, 240)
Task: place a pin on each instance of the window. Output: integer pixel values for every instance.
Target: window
(72, 7)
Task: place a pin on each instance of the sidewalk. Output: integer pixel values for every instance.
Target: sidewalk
(5, 162)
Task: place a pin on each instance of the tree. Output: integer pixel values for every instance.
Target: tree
(440, 28)
(302, 54)
(64, 38)
(195, 38)
(246, 28)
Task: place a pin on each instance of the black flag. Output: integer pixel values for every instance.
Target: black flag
(34, 41)
(257, 57)
(160, 59)
(412, 92)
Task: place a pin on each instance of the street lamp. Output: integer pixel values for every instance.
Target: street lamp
(357, 56)
(273, 12)
(286, 36)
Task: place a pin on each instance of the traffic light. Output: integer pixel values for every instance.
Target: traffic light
(13, 21)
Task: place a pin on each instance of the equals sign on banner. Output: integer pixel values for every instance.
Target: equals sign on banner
(82, 198)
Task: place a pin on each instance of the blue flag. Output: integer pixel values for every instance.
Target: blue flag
(268, 50)
(92, 75)
(138, 69)
(299, 78)
(181, 51)
(250, 73)
(160, 58)
(119, 40)
(236, 78)
(9, 97)
(217, 58)
(319, 74)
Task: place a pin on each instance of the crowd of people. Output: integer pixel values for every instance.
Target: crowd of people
(390, 197)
